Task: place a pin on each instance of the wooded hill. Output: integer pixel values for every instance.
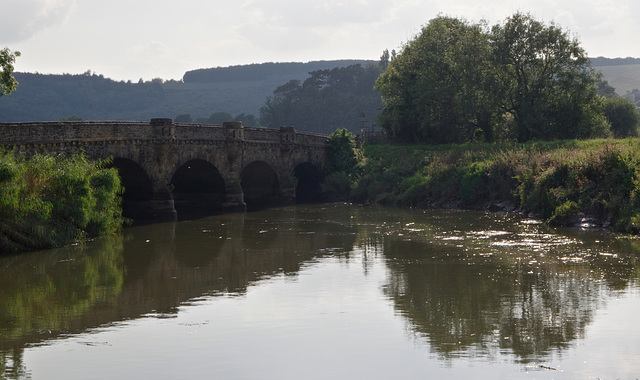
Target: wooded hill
(623, 74)
(236, 90)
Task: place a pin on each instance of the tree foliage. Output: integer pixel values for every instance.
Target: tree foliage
(216, 118)
(52, 201)
(342, 153)
(459, 81)
(437, 90)
(547, 83)
(343, 158)
(328, 100)
(623, 116)
(8, 82)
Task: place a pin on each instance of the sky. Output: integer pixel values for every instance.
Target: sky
(146, 39)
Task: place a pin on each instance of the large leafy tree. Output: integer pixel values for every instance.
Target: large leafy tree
(8, 83)
(439, 88)
(459, 81)
(547, 84)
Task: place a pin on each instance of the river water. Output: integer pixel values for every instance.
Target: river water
(330, 291)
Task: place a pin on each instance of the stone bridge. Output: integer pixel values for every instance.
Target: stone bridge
(169, 169)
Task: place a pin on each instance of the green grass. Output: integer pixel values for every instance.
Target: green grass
(555, 180)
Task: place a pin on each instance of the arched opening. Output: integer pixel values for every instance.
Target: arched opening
(259, 185)
(309, 183)
(138, 191)
(198, 189)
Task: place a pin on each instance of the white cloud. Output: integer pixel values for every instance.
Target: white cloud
(147, 38)
(321, 29)
(313, 14)
(153, 49)
(27, 18)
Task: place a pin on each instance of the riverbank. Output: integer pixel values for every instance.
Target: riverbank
(49, 201)
(562, 182)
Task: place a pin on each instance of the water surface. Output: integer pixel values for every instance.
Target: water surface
(327, 291)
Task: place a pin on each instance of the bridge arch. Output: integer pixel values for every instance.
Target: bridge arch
(260, 184)
(309, 181)
(197, 188)
(138, 189)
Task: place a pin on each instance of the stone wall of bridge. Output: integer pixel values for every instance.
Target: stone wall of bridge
(223, 158)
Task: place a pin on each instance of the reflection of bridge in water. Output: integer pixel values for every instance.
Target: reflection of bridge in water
(185, 167)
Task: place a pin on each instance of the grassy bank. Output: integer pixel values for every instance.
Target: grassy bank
(50, 201)
(561, 182)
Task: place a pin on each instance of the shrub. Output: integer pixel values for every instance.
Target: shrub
(342, 154)
(52, 201)
(623, 116)
(337, 186)
(563, 214)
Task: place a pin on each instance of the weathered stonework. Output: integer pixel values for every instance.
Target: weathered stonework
(160, 147)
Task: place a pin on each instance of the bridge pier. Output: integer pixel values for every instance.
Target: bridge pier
(288, 193)
(234, 200)
(162, 205)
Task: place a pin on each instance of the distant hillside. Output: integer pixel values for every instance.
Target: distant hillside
(264, 72)
(623, 74)
(602, 61)
(236, 90)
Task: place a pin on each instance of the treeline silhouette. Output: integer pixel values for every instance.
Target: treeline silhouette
(243, 90)
(237, 90)
(262, 71)
(602, 61)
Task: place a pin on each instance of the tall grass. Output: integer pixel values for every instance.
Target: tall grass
(560, 181)
(48, 201)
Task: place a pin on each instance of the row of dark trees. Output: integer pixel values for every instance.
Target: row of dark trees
(329, 99)
(342, 97)
(218, 118)
(523, 80)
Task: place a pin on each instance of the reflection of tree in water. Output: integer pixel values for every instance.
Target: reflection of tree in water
(459, 304)
(41, 294)
(12, 365)
(478, 309)
(155, 269)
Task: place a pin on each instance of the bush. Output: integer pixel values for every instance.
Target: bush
(623, 117)
(342, 154)
(52, 201)
(343, 160)
(337, 186)
(563, 214)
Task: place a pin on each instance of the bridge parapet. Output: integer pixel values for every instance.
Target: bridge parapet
(60, 132)
(78, 131)
(262, 135)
